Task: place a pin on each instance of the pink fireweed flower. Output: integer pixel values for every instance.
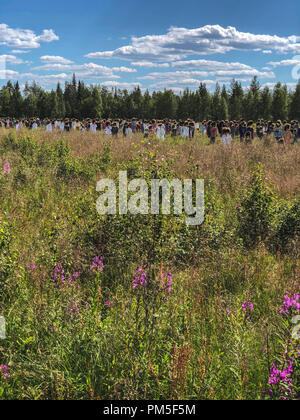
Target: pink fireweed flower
(97, 264)
(4, 370)
(168, 281)
(73, 309)
(31, 267)
(247, 307)
(107, 304)
(281, 380)
(290, 304)
(72, 280)
(140, 278)
(58, 273)
(6, 168)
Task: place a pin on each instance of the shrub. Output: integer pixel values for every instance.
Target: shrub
(256, 212)
(286, 233)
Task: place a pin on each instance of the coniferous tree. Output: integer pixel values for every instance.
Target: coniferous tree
(216, 104)
(265, 109)
(236, 100)
(77, 100)
(223, 115)
(5, 102)
(146, 105)
(204, 102)
(294, 112)
(17, 100)
(53, 104)
(61, 109)
(280, 102)
(166, 104)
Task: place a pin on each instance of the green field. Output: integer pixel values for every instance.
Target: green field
(216, 332)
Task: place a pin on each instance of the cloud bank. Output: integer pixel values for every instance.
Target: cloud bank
(178, 43)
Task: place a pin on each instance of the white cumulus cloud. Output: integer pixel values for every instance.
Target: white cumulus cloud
(149, 64)
(124, 85)
(20, 51)
(24, 38)
(292, 62)
(55, 59)
(179, 43)
(11, 59)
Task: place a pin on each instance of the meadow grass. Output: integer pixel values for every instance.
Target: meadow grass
(89, 334)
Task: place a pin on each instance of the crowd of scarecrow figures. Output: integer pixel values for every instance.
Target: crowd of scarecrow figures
(284, 132)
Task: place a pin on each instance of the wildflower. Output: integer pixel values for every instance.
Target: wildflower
(31, 267)
(4, 370)
(73, 278)
(167, 285)
(290, 304)
(140, 278)
(107, 304)
(246, 307)
(58, 273)
(6, 168)
(73, 309)
(281, 379)
(97, 264)
(170, 282)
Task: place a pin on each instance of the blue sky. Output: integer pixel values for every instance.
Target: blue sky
(158, 44)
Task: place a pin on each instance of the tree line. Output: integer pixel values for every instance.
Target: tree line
(77, 100)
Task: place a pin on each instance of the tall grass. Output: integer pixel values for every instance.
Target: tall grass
(89, 334)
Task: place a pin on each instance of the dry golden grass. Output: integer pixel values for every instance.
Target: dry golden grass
(194, 157)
